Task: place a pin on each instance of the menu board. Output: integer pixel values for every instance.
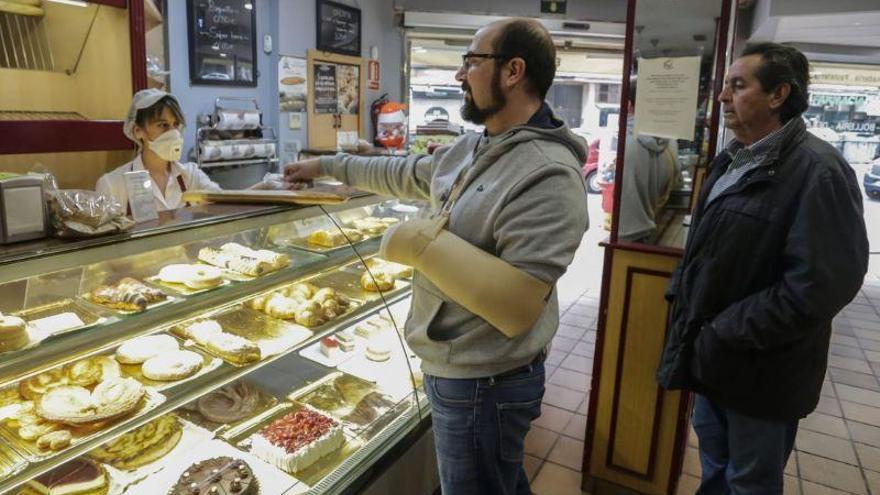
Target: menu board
(222, 42)
(339, 28)
(326, 101)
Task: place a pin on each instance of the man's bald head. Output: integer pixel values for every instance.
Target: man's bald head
(529, 40)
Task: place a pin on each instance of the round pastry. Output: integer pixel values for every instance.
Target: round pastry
(193, 276)
(55, 440)
(378, 350)
(174, 365)
(280, 306)
(140, 349)
(377, 280)
(141, 446)
(217, 476)
(34, 387)
(90, 371)
(65, 404)
(13, 333)
(117, 396)
(203, 331)
(229, 403)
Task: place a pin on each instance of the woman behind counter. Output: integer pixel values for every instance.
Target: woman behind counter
(154, 122)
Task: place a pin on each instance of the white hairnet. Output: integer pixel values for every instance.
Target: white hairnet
(144, 98)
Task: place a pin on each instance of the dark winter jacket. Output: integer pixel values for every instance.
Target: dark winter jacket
(767, 266)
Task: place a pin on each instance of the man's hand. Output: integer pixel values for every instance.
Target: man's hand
(301, 174)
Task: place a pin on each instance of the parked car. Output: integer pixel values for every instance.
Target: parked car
(872, 180)
(591, 167)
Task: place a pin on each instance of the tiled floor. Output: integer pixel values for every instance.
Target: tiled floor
(837, 449)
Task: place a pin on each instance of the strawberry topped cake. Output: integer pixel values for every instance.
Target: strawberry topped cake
(297, 440)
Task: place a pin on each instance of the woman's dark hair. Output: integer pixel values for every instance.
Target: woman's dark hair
(153, 112)
(779, 65)
(528, 40)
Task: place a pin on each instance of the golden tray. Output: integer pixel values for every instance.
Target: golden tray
(348, 282)
(337, 395)
(209, 363)
(11, 461)
(354, 305)
(303, 243)
(271, 335)
(265, 401)
(32, 453)
(89, 318)
(240, 437)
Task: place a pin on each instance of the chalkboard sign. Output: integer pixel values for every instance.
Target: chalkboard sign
(339, 28)
(222, 42)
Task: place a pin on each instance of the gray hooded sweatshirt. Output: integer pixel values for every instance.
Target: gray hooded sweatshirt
(648, 167)
(525, 202)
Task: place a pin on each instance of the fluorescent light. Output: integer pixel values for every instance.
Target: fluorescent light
(249, 6)
(222, 54)
(75, 3)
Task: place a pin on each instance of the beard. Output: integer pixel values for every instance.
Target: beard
(472, 112)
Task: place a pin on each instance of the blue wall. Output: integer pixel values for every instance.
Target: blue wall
(297, 33)
(197, 100)
(291, 23)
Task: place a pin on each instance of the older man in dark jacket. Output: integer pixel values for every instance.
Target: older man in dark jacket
(777, 248)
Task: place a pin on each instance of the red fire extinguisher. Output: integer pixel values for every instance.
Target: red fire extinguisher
(375, 109)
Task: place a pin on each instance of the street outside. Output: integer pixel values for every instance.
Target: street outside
(584, 276)
(872, 220)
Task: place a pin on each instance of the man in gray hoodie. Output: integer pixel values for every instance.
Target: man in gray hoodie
(509, 211)
(650, 170)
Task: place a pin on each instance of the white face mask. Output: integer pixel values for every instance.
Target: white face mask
(168, 146)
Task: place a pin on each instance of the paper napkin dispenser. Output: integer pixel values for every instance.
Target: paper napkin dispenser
(22, 208)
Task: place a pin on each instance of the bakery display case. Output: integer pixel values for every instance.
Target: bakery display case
(232, 350)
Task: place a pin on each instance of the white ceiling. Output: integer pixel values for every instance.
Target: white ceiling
(848, 29)
(664, 21)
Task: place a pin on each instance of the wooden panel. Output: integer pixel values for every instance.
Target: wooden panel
(322, 128)
(640, 340)
(72, 170)
(636, 426)
(100, 89)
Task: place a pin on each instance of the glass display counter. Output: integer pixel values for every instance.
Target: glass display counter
(230, 350)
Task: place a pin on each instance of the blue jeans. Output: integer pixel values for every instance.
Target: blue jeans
(740, 454)
(480, 428)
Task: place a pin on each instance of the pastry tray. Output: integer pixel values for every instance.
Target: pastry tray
(240, 437)
(338, 394)
(347, 281)
(265, 401)
(89, 317)
(11, 461)
(273, 336)
(272, 480)
(314, 353)
(30, 451)
(192, 438)
(168, 300)
(354, 305)
(304, 244)
(209, 363)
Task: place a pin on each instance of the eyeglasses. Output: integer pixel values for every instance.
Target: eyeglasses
(466, 58)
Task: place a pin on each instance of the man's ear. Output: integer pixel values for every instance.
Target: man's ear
(779, 95)
(516, 71)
